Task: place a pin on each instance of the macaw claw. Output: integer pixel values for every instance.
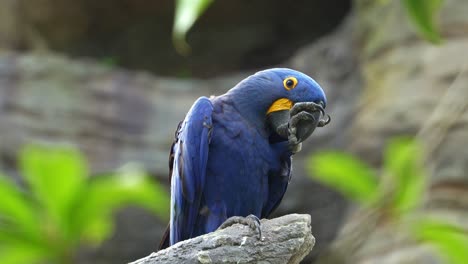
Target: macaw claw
(311, 107)
(298, 123)
(305, 117)
(306, 106)
(251, 221)
(324, 122)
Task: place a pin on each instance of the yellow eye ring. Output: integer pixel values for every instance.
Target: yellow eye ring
(289, 83)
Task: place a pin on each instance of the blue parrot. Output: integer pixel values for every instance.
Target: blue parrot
(231, 156)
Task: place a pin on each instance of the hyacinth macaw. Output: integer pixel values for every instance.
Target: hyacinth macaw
(232, 153)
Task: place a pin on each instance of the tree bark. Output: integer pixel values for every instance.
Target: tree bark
(287, 239)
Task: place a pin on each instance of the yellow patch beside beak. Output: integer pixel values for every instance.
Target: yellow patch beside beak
(280, 104)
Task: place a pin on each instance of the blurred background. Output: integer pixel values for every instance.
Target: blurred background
(91, 93)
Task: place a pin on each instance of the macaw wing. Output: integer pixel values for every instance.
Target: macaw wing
(190, 156)
(277, 185)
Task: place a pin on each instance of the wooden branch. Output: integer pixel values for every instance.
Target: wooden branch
(288, 239)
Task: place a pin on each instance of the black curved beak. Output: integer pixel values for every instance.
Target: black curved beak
(304, 117)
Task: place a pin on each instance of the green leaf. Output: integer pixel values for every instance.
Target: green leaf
(187, 12)
(16, 210)
(56, 177)
(344, 173)
(21, 253)
(106, 194)
(422, 14)
(17, 247)
(449, 240)
(98, 229)
(403, 163)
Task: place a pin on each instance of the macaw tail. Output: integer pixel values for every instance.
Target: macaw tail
(165, 239)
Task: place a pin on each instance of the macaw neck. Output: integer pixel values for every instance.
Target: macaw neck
(252, 104)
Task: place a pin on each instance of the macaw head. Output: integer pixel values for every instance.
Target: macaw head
(267, 98)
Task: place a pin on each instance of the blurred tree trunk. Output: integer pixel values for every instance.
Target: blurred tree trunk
(411, 88)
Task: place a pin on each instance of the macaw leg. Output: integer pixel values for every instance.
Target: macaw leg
(251, 221)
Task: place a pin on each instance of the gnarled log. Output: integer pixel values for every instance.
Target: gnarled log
(287, 239)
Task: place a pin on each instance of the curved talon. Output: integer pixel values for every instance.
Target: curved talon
(320, 108)
(322, 111)
(323, 122)
(251, 221)
(257, 225)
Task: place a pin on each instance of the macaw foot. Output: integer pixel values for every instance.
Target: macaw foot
(251, 221)
(304, 118)
(298, 123)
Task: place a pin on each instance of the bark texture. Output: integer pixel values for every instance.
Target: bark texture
(288, 239)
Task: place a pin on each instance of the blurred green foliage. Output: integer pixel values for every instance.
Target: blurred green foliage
(362, 187)
(187, 12)
(446, 238)
(398, 193)
(61, 207)
(403, 175)
(110, 61)
(421, 13)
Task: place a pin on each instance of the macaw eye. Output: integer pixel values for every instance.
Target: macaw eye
(289, 83)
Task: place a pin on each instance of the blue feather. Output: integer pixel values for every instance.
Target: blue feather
(223, 162)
